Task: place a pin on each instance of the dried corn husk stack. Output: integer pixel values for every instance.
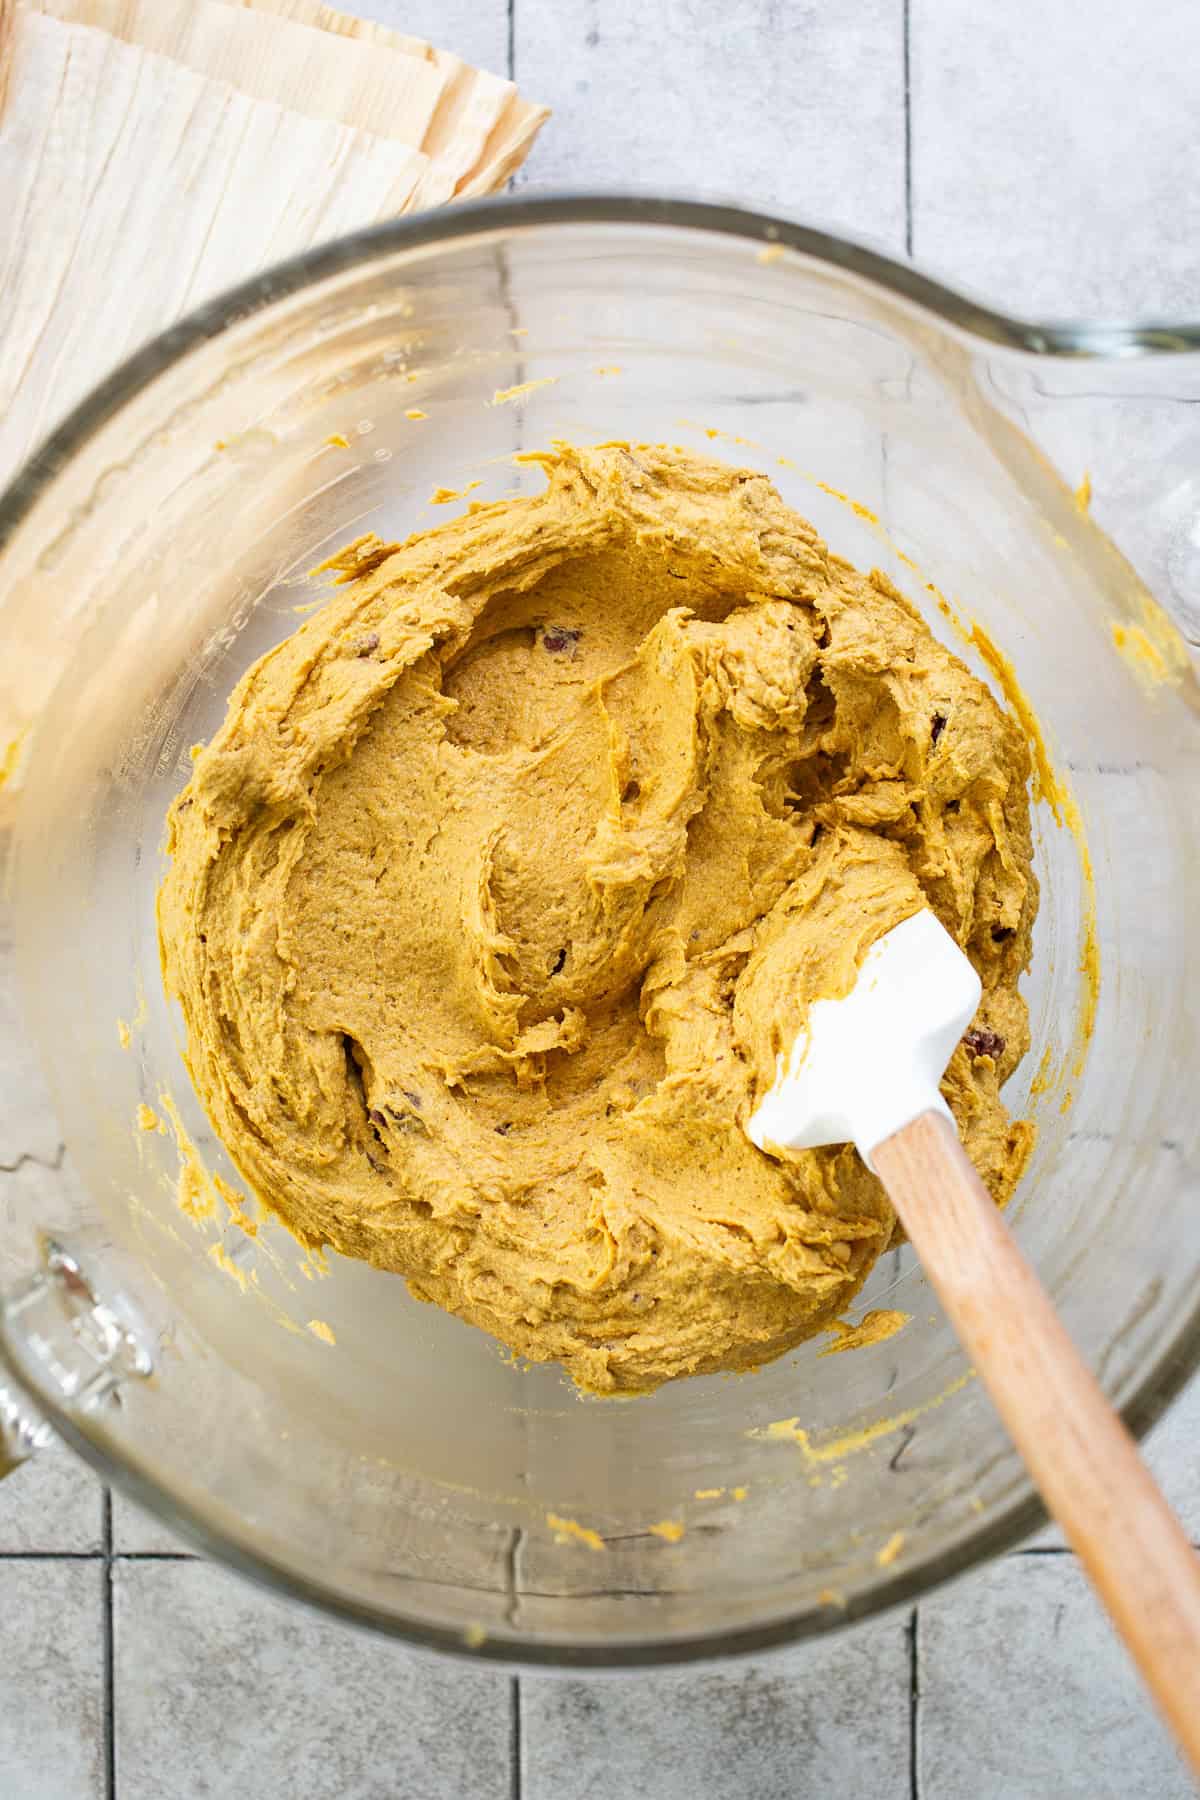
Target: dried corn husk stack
(226, 134)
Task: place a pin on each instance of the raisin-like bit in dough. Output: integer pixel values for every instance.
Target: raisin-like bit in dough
(561, 640)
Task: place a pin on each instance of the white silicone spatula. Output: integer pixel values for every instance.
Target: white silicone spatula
(866, 1071)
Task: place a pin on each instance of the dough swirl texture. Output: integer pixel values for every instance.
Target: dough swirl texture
(494, 896)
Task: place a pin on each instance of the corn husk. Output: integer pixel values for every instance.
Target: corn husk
(8, 15)
(135, 188)
(153, 152)
(475, 110)
(396, 87)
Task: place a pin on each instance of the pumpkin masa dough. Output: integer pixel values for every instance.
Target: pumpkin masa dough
(508, 874)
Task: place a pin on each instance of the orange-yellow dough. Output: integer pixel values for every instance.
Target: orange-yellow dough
(507, 875)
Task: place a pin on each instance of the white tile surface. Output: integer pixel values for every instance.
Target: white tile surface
(1173, 1452)
(1025, 1694)
(222, 1691)
(1054, 153)
(832, 1715)
(800, 108)
(476, 30)
(51, 1681)
(53, 1502)
(140, 1533)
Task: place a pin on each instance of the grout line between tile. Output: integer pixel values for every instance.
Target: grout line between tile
(512, 40)
(98, 1556)
(914, 1698)
(27, 1157)
(514, 1738)
(51, 1556)
(163, 1556)
(110, 1731)
(908, 183)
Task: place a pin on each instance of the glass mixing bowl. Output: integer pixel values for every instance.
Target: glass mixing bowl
(407, 1475)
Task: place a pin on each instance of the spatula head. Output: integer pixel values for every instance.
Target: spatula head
(870, 1062)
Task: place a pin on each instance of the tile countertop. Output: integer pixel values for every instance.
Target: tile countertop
(1046, 157)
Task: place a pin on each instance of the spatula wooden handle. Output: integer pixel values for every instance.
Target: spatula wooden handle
(1076, 1448)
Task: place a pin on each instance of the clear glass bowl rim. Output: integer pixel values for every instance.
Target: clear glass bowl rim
(956, 311)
